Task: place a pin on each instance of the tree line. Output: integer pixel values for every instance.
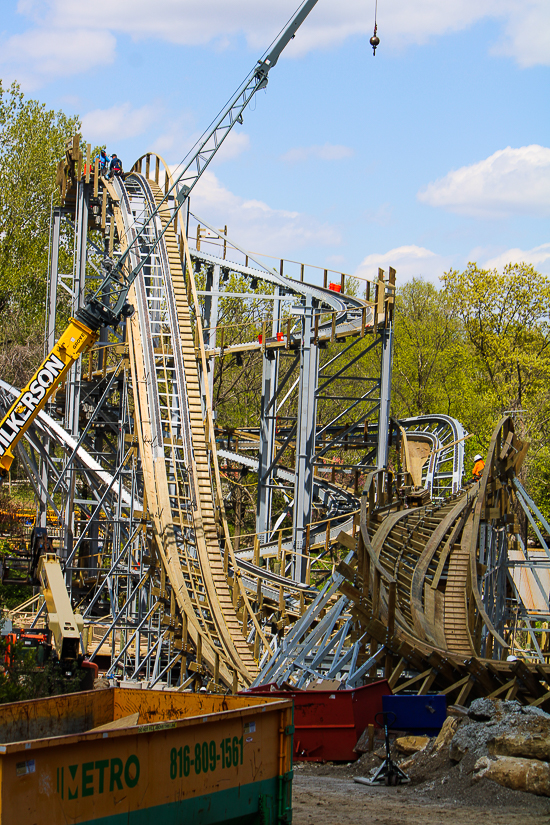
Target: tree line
(478, 348)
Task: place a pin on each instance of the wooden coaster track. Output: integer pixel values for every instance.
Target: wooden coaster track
(413, 589)
(173, 451)
(415, 600)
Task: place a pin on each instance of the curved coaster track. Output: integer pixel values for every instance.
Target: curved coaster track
(131, 472)
(428, 597)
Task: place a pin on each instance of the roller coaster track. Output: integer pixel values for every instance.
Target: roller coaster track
(171, 424)
(172, 416)
(173, 446)
(424, 595)
(181, 492)
(410, 575)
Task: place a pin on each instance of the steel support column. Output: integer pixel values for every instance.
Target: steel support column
(305, 438)
(268, 425)
(385, 396)
(211, 303)
(50, 341)
(74, 378)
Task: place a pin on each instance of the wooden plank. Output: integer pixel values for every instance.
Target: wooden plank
(396, 673)
(410, 682)
(503, 688)
(465, 692)
(455, 686)
(536, 703)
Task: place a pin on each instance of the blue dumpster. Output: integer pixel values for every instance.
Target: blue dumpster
(417, 714)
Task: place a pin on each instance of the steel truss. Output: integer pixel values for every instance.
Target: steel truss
(86, 453)
(80, 457)
(297, 432)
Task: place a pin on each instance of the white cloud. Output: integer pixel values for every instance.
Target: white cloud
(180, 135)
(234, 145)
(78, 36)
(42, 54)
(255, 225)
(527, 34)
(382, 215)
(118, 122)
(509, 182)
(539, 256)
(188, 22)
(418, 262)
(328, 151)
(408, 261)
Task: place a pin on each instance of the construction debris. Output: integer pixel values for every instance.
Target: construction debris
(411, 744)
(490, 719)
(446, 733)
(522, 743)
(494, 740)
(529, 775)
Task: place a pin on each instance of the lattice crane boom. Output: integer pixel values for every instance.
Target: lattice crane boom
(109, 304)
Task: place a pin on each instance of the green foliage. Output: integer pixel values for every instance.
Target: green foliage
(22, 678)
(505, 318)
(476, 349)
(430, 369)
(32, 141)
(238, 378)
(12, 595)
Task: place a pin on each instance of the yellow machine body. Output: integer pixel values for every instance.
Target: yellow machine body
(64, 625)
(76, 339)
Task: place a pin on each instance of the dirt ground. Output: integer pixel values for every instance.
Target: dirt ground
(440, 793)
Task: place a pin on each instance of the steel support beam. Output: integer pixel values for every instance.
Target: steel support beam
(50, 341)
(268, 426)
(385, 396)
(305, 439)
(211, 303)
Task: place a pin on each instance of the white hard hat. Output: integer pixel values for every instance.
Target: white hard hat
(478, 457)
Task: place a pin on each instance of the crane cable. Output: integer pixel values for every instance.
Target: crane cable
(375, 40)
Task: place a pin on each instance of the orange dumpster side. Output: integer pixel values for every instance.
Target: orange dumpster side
(140, 757)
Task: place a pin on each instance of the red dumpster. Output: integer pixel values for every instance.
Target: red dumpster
(328, 723)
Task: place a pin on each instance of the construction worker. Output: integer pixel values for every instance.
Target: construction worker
(479, 466)
(115, 167)
(103, 162)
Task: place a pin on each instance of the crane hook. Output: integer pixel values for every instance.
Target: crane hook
(374, 41)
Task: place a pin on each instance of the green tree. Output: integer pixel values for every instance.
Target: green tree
(32, 141)
(505, 316)
(432, 359)
(23, 676)
(238, 378)
(506, 319)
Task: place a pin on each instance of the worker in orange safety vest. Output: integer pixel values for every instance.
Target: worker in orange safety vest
(479, 466)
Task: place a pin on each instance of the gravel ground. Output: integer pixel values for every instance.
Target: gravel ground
(441, 790)
(321, 795)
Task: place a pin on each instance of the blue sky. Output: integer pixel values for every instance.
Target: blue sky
(432, 154)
